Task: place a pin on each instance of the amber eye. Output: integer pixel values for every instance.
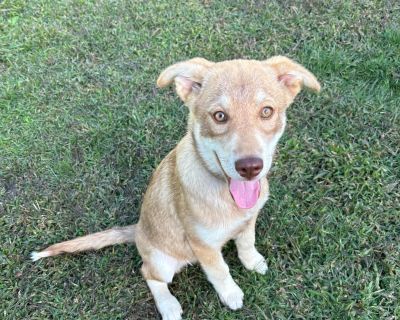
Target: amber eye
(267, 112)
(220, 116)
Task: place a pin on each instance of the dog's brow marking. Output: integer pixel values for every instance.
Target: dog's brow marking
(224, 101)
(260, 96)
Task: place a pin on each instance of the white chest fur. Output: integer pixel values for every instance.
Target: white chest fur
(216, 235)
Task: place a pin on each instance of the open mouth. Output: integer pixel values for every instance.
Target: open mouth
(245, 193)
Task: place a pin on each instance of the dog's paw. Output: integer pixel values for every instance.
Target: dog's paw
(261, 267)
(254, 261)
(170, 309)
(232, 298)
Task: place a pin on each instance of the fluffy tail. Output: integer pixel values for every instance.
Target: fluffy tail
(91, 242)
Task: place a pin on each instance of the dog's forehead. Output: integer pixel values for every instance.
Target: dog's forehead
(239, 81)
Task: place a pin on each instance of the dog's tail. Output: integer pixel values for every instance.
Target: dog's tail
(90, 242)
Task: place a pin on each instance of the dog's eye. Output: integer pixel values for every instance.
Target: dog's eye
(267, 112)
(220, 116)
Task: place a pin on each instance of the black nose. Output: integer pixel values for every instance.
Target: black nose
(249, 167)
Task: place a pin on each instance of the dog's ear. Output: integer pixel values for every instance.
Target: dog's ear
(188, 76)
(293, 75)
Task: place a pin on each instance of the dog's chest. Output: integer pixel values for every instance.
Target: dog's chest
(223, 231)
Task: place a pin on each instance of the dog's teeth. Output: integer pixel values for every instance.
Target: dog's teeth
(38, 255)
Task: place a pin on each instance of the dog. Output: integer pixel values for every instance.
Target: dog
(210, 188)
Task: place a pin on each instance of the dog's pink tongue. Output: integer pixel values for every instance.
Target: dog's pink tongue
(245, 193)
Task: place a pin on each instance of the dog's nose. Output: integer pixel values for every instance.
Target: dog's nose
(249, 167)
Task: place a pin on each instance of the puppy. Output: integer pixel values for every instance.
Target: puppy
(211, 187)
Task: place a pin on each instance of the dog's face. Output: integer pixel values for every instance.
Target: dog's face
(237, 114)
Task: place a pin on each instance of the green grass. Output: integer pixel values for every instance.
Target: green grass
(82, 126)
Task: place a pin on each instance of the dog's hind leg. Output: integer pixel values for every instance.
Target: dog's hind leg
(159, 269)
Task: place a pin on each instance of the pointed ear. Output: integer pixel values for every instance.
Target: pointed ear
(188, 76)
(293, 75)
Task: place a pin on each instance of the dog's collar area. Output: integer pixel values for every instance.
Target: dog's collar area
(222, 168)
(204, 163)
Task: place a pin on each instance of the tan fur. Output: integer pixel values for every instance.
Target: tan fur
(188, 213)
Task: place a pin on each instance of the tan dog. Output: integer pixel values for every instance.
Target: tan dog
(210, 188)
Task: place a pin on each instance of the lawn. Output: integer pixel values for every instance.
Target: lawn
(82, 126)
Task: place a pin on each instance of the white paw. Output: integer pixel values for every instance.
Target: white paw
(170, 309)
(261, 267)
(254, 261)
(233, 298)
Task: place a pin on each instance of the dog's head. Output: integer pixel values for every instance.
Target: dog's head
(237, 114)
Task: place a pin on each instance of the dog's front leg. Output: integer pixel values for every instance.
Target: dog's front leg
(217, 272)
(247, 252)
